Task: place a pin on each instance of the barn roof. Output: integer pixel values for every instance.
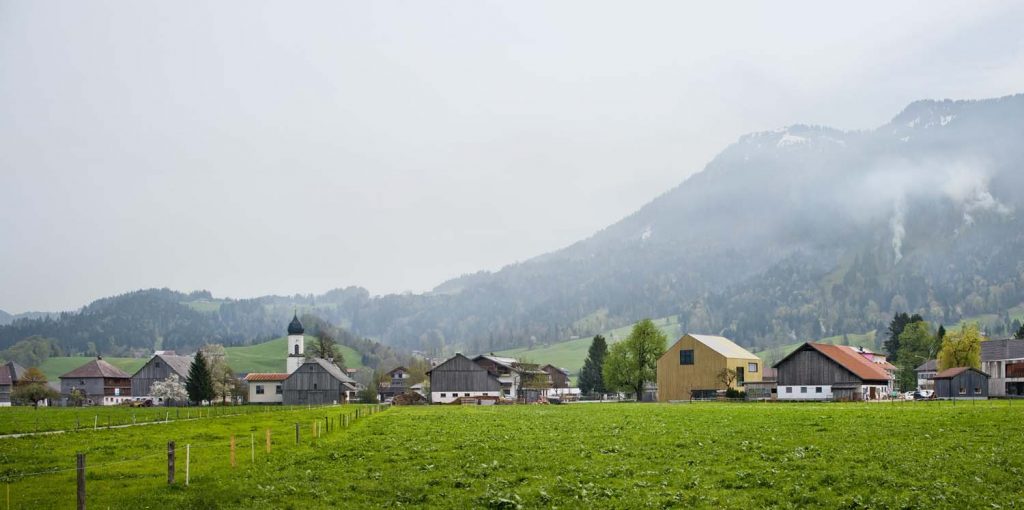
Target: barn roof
(332, 369)
(396, 369)
(560, 369)
(11, 372)
(950, 373)
(1002, 349)
(265, 377)
(96, 368)
(724, 346)
(928, 366)
(847, 358)
(179, 364)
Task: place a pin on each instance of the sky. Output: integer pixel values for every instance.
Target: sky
(251, 148)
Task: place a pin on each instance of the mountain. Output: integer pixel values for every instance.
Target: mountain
(799, 233)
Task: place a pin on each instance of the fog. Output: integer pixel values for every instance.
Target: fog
(251, 148)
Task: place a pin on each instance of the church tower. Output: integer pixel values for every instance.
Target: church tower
(296, 344)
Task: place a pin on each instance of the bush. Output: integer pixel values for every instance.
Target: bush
(734, 393)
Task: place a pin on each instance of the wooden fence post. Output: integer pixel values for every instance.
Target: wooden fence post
(170, 463)
(232, 450)
(80, 467)
(268, 440)
(188, 461)
(296, 432)
(252, 447)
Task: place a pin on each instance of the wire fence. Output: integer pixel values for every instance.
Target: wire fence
(176, 464)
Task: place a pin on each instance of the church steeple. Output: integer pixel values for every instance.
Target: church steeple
(295, 327)
(296, 344)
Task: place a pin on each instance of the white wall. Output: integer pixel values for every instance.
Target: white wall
(445, 397)
(811, 394)
(269, 396)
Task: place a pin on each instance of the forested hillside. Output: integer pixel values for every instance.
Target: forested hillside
(795, 234)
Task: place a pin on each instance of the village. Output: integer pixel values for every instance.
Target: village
(694, 368)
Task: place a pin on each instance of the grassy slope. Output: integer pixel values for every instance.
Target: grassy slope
(56, 367)
(714, 455)
(270, 356)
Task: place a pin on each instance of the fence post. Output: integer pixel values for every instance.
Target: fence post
(252, 447)
(80, 467)
(268, 440)
(170, 463)
(95, 422)
(232, 450)
(188, 459)
(296, 432)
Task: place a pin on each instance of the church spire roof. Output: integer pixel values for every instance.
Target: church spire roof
(295, 327)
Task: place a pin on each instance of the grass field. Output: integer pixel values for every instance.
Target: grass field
(265, 357)
(21, 419)
(714, 455)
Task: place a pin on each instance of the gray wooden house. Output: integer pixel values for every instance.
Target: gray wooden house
(102, 383)
(557, 377)
(830, 372)
(460, 377)
(158, 368)
(10, 374)
(318, 381)
(961, 382)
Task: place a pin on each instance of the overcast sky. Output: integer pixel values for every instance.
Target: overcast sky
(251, 148)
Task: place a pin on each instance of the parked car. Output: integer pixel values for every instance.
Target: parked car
(909, 395)
(924, 394)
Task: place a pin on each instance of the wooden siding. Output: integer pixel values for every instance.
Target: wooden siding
(677, 382)
(150, 373)
(809, 367)
(950, 388)
(462, 374)
(557, 377)
(299, 386)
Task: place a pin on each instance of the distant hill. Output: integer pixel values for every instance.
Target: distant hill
(799, 233)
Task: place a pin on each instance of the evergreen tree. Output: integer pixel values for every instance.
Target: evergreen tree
(200, 383)
(940, 334)
(899, 322)
(591, 380)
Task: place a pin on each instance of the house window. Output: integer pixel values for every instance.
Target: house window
(739, 376)
(314, 386)
(485, 393)
(157, 364)
(789, 389)
(259, 389)
(296, 349)
(278, 390)
(803, 389)
(963, 391)
(817, 389)
(686, 357)
(977, 390)
(444, 395)
(465, 394)
(751, 367)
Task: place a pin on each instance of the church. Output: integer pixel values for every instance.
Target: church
(308, 380)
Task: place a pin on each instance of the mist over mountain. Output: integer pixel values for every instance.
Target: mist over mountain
(786, 235)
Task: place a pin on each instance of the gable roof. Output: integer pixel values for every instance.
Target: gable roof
(950, 373)
(11, 372)
(501, 360)
(560, 369)
(846, 357)
(928, 366)
(1002, 349)
(96, 368)
(179, 364)
(396, 369)
(723, 346)
(332, 369)
(264, 377)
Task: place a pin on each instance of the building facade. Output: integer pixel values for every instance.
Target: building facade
(395, 383)
(460, 377)
(158, 368)
(692, 367)
(1003, 360)
(317, 381)
(830, 372)
(961, 383)
(925, 371)
(10, 374)
(265, 388)
(296, 344)
(100, 382)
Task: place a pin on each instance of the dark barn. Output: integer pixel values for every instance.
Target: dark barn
(961, 382)
(317, 381)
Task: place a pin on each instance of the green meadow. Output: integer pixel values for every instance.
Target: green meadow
(710, 455)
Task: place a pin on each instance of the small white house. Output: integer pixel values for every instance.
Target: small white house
(266, 388)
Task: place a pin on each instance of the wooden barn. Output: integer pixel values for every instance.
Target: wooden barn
(690, 368)
(557, 377)
(158, 368)
(961, 382)
(10, 374)
(102, 383)
(395, 383)
(830, 372)
(318, 381)
(460, 376)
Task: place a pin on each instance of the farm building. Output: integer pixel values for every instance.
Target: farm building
(961, 382)
(395, 383)
(460, 376)
(830, 372)
(557, 377)
(691, 367)
(10, 374)
(102, 383)
(265, 388)
(318, 381)
(1003, 360)
(519, 381)
(925, 371)
(158, 368)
